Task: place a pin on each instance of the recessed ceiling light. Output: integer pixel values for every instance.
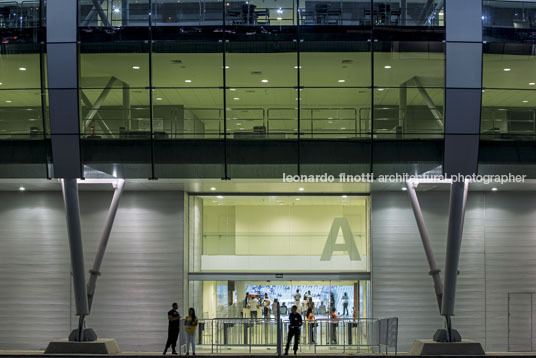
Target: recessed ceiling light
(22, 68)
(404, 188)
(264, 81)
(220, 197)
(297, 198)
(213, 188)
(239, 124)
(227, 67)
(1, 83)
(387, 67)
(343, 128)
(135, 67)
(301, 189)
(344, 196)
(158, 98)
(381, 89)
(330, 122)
(296, 67)
(525, 101)
(483, 91)
(232, 89)
(341, 81)
(507, 69)
(494, 189)
(236, 98)
(32, 119)
(188, 81)
(279, 18)
(530, 83)
(21, 188)
(8, 101)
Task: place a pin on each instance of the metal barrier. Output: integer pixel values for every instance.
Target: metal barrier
(344, 335)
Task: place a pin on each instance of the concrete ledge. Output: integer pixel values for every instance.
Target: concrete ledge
(427, 347)
(100, 346)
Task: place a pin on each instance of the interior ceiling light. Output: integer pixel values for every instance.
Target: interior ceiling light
(525, 101)
(227, 67)
(381, 89)
(220, 197)
(188, 81)
(297, 67)
(344, 196)
(8, 101)
(507, 69)
(404, 188)
(135, 67)
(213, 188)
(1, 83)
(22, 188)
(341, 81)
(494, 189)
(158, 98)
(297, 198)
(236, 98)
(22, 68)
(530, 83)
(301, 189)
(387, 67)
(232, 89)
(264, 81)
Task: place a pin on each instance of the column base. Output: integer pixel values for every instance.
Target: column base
(425, 347)
(100, 346)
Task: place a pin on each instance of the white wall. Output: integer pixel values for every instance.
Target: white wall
(498, 256)
(142, 272)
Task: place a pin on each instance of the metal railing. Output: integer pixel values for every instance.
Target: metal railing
(366, 335)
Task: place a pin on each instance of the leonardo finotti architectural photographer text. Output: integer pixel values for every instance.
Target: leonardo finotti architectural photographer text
(401, 178)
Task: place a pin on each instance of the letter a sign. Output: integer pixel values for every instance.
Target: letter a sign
(349, 243)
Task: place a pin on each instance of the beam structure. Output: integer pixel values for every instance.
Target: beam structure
(72, 215)
(94, 273)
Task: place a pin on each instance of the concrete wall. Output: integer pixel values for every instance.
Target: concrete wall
(498, 256)
(142, 272)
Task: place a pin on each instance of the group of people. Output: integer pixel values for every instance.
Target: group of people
(190, 326)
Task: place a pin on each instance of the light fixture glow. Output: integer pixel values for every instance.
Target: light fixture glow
(404, 188)
(330, 122)
(344, 196)
(530, 83)
(213, 188)
(494, 189)
(279, 18)
(264, 81)
(1, 83)
(381, 89)
(507, 69)
(220, 197)
(8, 101)
(22, 68)
(341, 81)
(135, 67)
(227, 67)
(22, 188)
(296, 67)
(236, 98)
(232, 89)
(387, 67)
(301, 189)
(188, 81)
(158, 98)
(297, 198)
(525, 101)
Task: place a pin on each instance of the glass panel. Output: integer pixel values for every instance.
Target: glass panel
(508, 14)
(408, 113)
(335, 13)
(187, 64)
(20, 66)
(115, 113)
(335, 113)
(262, 64)
(508, 65)
(113, 13)
(188, 113)
(409, 64)
(335, 63)
(21, 115)
(187, 13)
(508, 114)
(409, 13)
(19, 14)
(257, 233)
(113, 65)
(260, 13)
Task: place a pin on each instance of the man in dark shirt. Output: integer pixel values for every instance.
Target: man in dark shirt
(174, 319)
(295, 322)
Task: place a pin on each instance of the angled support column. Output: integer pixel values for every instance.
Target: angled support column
(95, 270)
(458, 198)
(425, 238)
(72, 215)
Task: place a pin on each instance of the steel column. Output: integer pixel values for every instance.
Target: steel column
(95, 270)
(425, 238)
(458, 195)
(72, 215)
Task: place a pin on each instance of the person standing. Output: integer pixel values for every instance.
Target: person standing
(266, 306)
(345, 305)
(297, 298)
(274, 307)
(311, 322)
(295, 322)
(190, 326)
(174, 321)
(334, 324)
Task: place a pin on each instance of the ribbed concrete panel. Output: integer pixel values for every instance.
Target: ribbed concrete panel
(142, 272)
(510, 259)
(401, 284)
(34, 270)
